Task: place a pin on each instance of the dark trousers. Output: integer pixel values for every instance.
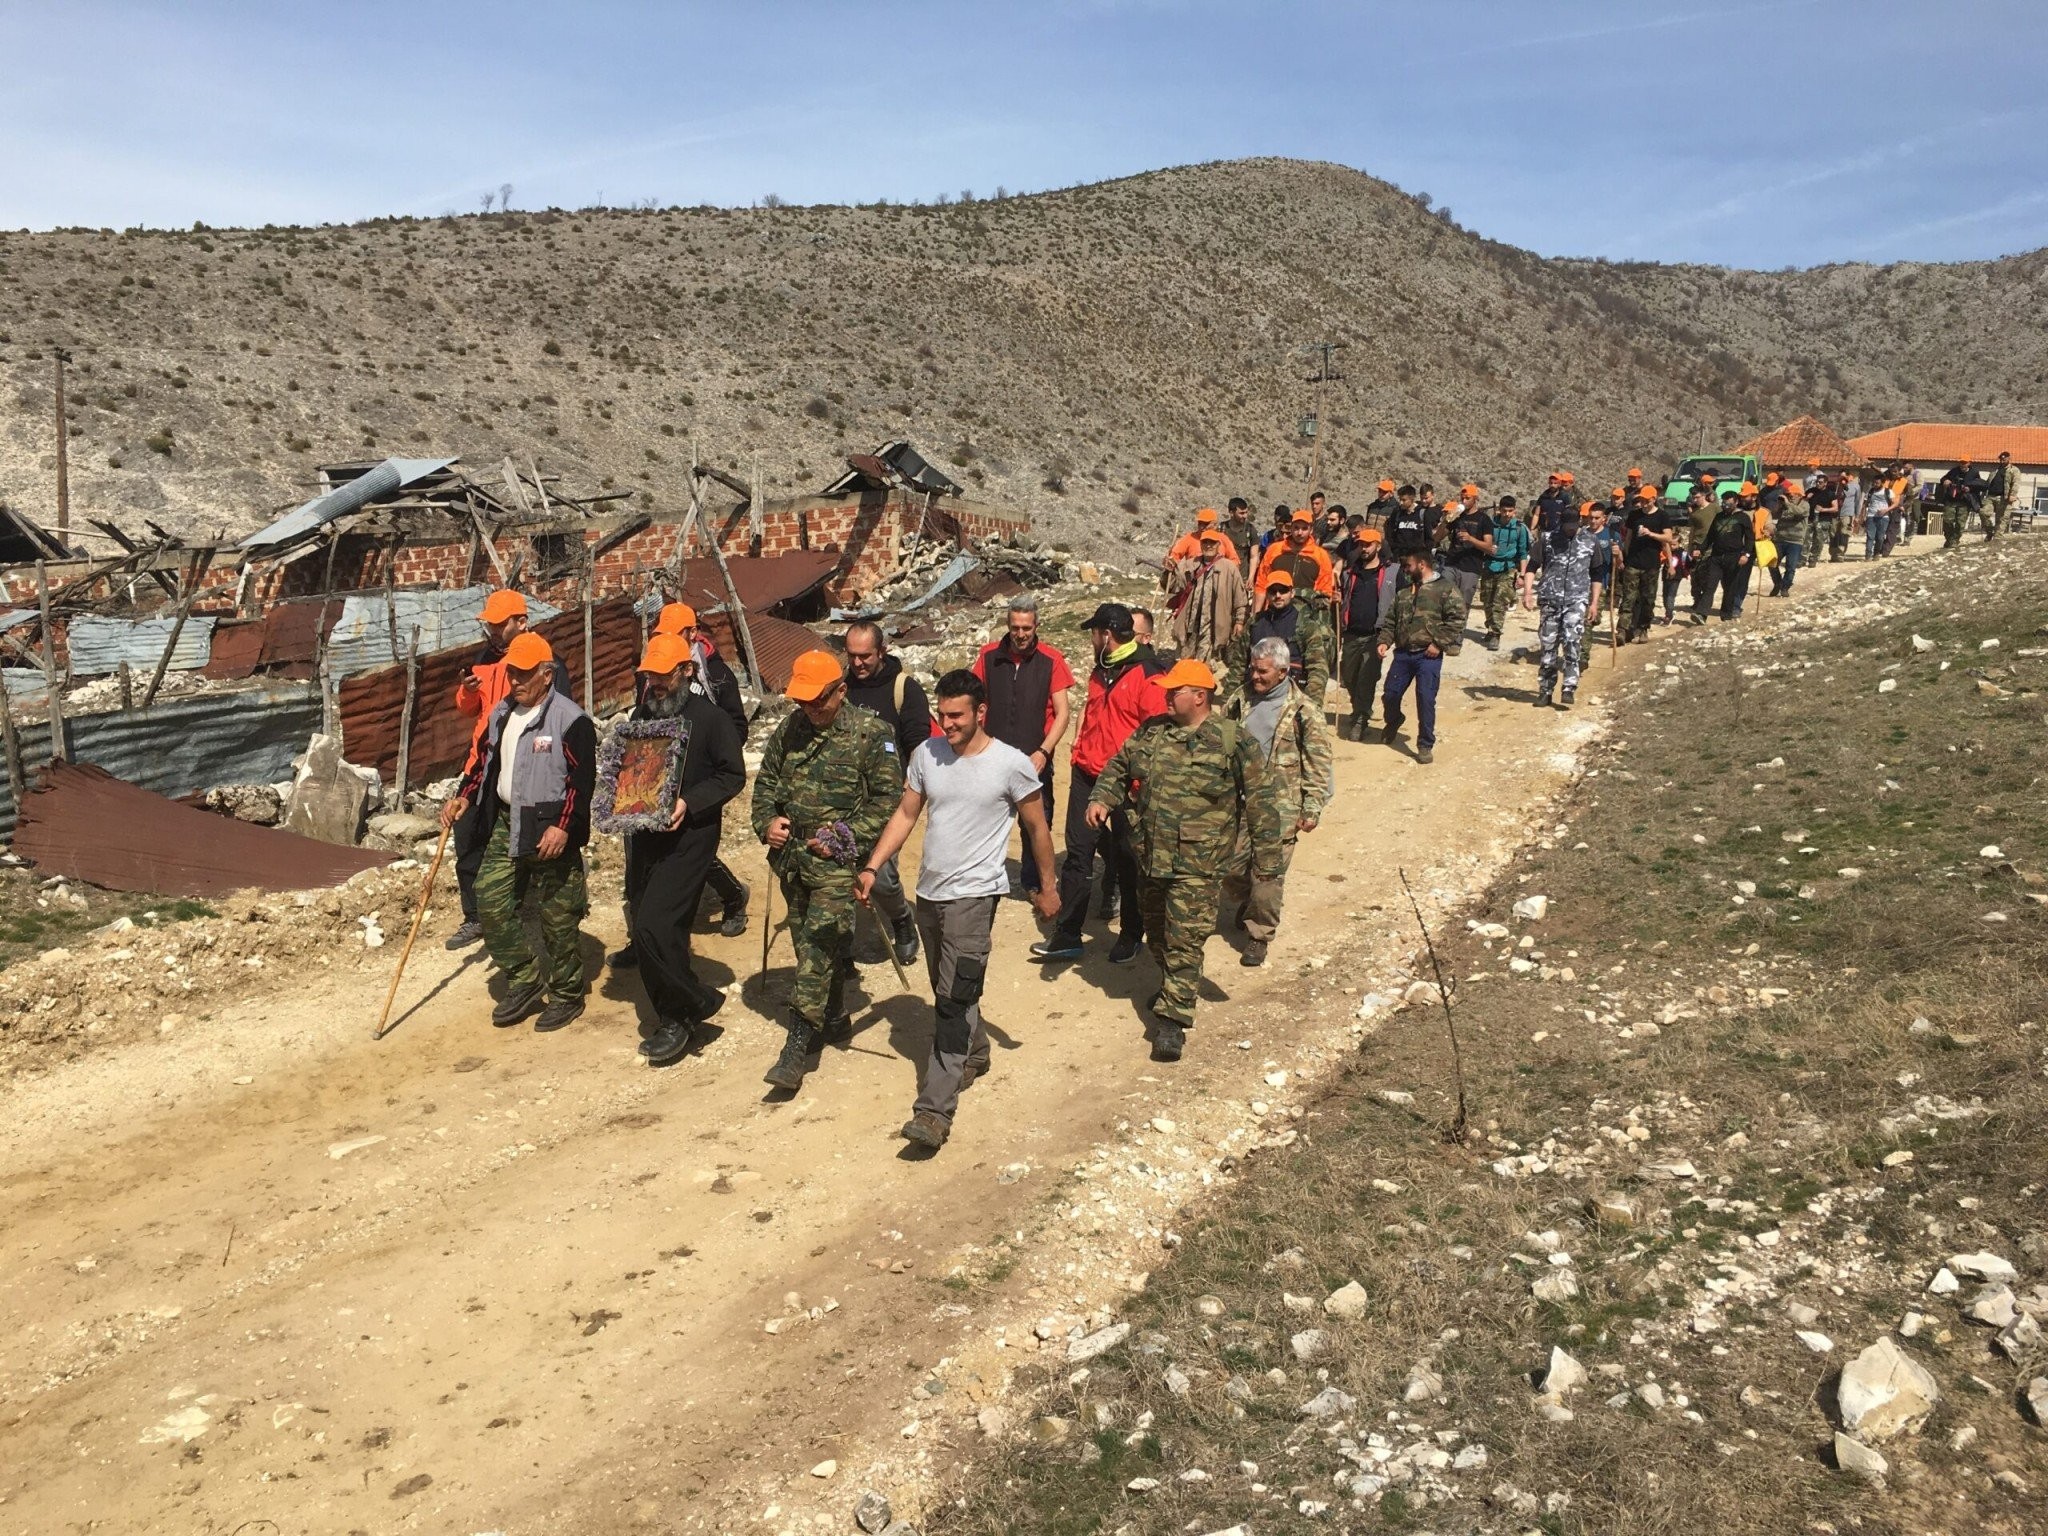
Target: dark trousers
(471, 836)
(1114, 841)
(1360, 671)
(957, 940)
(1030, 864)
(1732, 579)
(665, 874)
(1425, 672)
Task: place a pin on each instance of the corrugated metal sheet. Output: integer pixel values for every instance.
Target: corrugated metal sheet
(25, 683)
(373, 703)
(291, 634)
(181, 746)
(779, 642)
(99, 645)
(10, 617)
(361, 639)
(390, 476)
(166, 848)
(237, 644)
(761, 581)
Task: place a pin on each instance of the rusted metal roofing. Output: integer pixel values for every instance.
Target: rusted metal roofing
(180, 745)
(373, 703)
(762, 581)
(778, 641)
(165, 848)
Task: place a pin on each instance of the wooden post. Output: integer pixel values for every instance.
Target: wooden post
(738, 616)
(327, 704)
(163, 662)
(390, 596)
(127, 680)
(589, 660)
(50, 679)
(755, 514)
(412, 683)
(15, 780)
(63, 448)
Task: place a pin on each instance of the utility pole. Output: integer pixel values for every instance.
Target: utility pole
(63, 448)
(1324, 352)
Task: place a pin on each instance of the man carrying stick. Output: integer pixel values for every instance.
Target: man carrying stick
(666, 870)
(976, 787)
(531, 784)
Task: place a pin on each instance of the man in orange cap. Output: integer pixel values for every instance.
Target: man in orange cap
(1381, 507)
(1365, 585)
(1209, 613)
(1558, 498)
(666, 868)
(829, 778)
(1308, 564)
(1189, 545)
(1191, 781)
(532, 786)
(477, 693)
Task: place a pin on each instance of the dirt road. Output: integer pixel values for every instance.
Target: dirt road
(264, 1270)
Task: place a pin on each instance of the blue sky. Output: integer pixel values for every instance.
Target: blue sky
(1752, 134)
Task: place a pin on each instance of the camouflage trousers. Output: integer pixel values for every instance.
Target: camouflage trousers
(1496, 597)
(1317, 636)
(1993, 517)
(821, 910)
(502, 885)
(1262, 897)
(1952, 520)
(1636, 603)
(1561, 630)
(1180, 914)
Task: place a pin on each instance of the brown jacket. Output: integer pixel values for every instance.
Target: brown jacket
(1213, 611)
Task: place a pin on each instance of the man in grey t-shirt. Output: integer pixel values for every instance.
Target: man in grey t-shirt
(975, 786)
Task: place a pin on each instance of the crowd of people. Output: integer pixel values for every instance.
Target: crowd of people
(1195, 765)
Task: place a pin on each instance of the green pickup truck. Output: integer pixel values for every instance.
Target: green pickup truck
(1728, 469)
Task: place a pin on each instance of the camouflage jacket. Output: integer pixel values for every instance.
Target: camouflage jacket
(1794, 525)
(847, 772)
(1190, 791)
(1299, 773)
(1431, 614)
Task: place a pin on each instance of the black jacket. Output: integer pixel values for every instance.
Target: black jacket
(711, 773)
(1279, 624)
(723, 689)
(913, 722)
(1732, 533)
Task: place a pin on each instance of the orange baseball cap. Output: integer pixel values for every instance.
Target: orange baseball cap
(1813, 463)
(1618, 491)
(528, 651)
(1186, 673)
(1468, 491)
(1706, 475)
(1557, 477)
(503, 604)
(1206, 516)
(1369, 536)
(1634, 473)
(1209, 536)
(664, 654)
(1773, 478)
(1279, 579)
(1386, 485)
(1647, 492)
(674, 618)
(1302, 515)
(813, 674)
(1586, 508)
(1568, 477)
(1749, 487)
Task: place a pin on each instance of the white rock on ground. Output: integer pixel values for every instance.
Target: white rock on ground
(1532, 909)
(1982, 1266)
(1329, 1403)
(1993, 1305)
(1098, 1343)
(1883, 1391)
(2036, 1399)
(1563, 1374)
(1348, 1302)
(1308, 1343)
(1860, 1460)
(1423, 1384)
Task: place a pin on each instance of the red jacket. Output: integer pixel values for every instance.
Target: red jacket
(1122, 695)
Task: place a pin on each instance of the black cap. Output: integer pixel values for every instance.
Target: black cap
(1112, 616)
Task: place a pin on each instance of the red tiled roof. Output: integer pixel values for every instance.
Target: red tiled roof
(1945, 441)
(1804, 442)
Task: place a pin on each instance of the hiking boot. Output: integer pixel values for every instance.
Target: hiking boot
(1543, 698)
(1425, 754)
(1567, 697)
(1389, 735)
(926, 1129)
(471, 932)
(790, 1066)
(836, 1030)
(1492, 642)
(708, 999)
(670, 1042)
(1124, 951)
(1254, 953)
(905, 943)
(1058, 947)
(1168, 1041)
(627, 959)
(557, 1015)
(518, 1003)
(734, 923)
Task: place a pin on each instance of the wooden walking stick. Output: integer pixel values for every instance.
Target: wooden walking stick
(426, 890)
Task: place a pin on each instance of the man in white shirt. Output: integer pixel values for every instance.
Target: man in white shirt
(976, 787)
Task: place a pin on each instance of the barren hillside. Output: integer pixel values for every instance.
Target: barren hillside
(1104, 357)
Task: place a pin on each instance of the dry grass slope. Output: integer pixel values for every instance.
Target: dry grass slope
(1106, 356)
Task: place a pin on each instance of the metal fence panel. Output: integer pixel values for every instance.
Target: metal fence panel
(99, 645)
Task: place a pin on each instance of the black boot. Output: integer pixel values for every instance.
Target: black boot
(790, 1067)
